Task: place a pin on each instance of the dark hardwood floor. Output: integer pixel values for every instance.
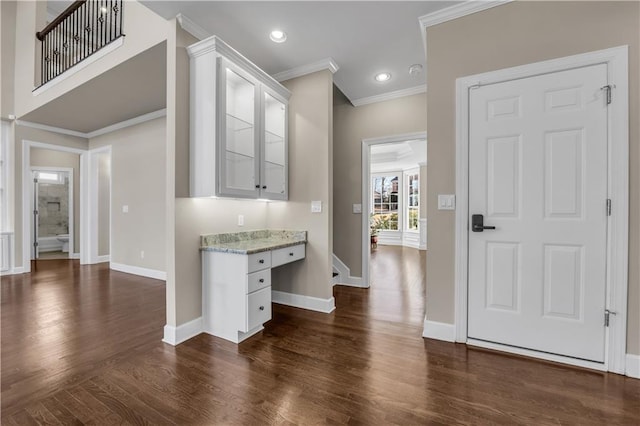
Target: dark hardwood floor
(81, 344)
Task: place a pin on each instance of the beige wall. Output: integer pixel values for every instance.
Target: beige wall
(50, 158)
(423, 192)
(25, 133)
(31, 15)
(138, 169)
(310, 173)
(7, 53)
(104, 203)
(515, 34)
(350, 126)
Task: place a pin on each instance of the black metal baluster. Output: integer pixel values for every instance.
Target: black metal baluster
(120, 8)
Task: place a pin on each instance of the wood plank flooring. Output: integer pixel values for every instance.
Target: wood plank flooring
(81, 345)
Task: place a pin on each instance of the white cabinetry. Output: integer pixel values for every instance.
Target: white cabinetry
(236, 290)
(238, 126)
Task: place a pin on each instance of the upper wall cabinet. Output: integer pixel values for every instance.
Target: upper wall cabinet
(238, 126)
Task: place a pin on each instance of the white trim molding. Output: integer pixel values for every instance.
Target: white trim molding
(99, 132)
(439, 331)
(344, 274)
(616, 60)
(632, 368)
(454, 12)
(137, 270)
(323, 64)
(390, 95)
(191, 27)
(305, 302)
(176, 335)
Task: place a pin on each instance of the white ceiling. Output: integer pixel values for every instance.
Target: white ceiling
(363, 37)
(398, 156)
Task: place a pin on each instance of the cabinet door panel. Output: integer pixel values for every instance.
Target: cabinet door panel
(274, 150)
(238, 134)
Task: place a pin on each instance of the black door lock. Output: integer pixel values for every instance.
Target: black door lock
(477, 223)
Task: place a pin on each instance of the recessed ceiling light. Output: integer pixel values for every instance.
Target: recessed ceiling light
(278, 36)
(382, 77)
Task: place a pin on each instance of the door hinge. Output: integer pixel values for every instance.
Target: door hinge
(607, 89)
(607, 314)
(608, 206)
(35, 212)
(35, 244)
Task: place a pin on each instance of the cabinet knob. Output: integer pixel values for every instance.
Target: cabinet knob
(290, 254)
(257, 186)
(261, 280)
(264, 186)
(262, 308)
(261, 261)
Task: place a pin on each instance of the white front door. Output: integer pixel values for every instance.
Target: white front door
(538, 174)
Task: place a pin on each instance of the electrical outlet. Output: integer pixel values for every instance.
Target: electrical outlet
(125, 209)
(357, 208)
(316, 207)
(141, 254)
(240, 220)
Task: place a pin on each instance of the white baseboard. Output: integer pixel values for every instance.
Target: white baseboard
(14, 271)
(632, 366)
(304, 302)
(74, 256)
(344, 275)
(102, 259)
(439, 331)
(136, 270)
(176, 335)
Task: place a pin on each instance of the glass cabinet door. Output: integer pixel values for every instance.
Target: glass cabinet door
(238, 150)
(274, 157)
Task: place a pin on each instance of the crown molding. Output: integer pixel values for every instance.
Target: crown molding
(112, 128)
(454, 12)
(128, 123)
(323, 64)
(52, 129)
(191, 27)
(390, 95)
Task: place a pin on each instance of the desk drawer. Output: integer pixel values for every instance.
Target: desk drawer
(258, 280)
(287, 254)
(259, 261)
(258, 308)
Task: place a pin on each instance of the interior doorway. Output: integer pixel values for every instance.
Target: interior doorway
(53, 213)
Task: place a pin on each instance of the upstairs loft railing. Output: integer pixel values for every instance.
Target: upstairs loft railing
(85, 27)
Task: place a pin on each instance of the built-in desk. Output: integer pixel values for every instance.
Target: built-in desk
(236, 278)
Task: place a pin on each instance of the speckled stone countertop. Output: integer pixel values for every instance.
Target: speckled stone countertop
(252, 241)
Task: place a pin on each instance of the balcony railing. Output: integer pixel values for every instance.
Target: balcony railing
(85, 27)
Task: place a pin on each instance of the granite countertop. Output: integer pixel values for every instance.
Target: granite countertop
(252, 241)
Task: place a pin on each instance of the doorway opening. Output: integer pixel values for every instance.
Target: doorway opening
(394, 225)
(53, 213)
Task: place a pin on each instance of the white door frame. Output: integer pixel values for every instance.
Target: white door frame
(71, 212)
(366, 186)
(618, 190)
(27, 196)
(92, 212)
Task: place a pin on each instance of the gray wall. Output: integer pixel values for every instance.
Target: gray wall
(350, 126)
(104, 206)
(515, 34)
(138, 176)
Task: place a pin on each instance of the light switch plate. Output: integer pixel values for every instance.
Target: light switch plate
(240, 220)
(125, 209)
(316, 207)
(446, 202)
(357, 208)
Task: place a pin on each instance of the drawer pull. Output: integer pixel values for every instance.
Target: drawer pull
(261, 280)
(290, 254)
(261, 261)
(262, 308)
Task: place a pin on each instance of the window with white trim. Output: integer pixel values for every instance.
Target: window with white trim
(412, 210)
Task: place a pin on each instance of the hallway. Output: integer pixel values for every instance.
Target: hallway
(81, 344)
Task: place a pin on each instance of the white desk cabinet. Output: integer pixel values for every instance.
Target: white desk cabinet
(236, 290)
(239, 143)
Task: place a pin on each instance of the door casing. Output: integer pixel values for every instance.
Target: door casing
(618, 190)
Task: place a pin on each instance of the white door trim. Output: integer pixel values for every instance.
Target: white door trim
(618, 189)
(92, 185)
(366, 201)
(71, 212)
(27, 196)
